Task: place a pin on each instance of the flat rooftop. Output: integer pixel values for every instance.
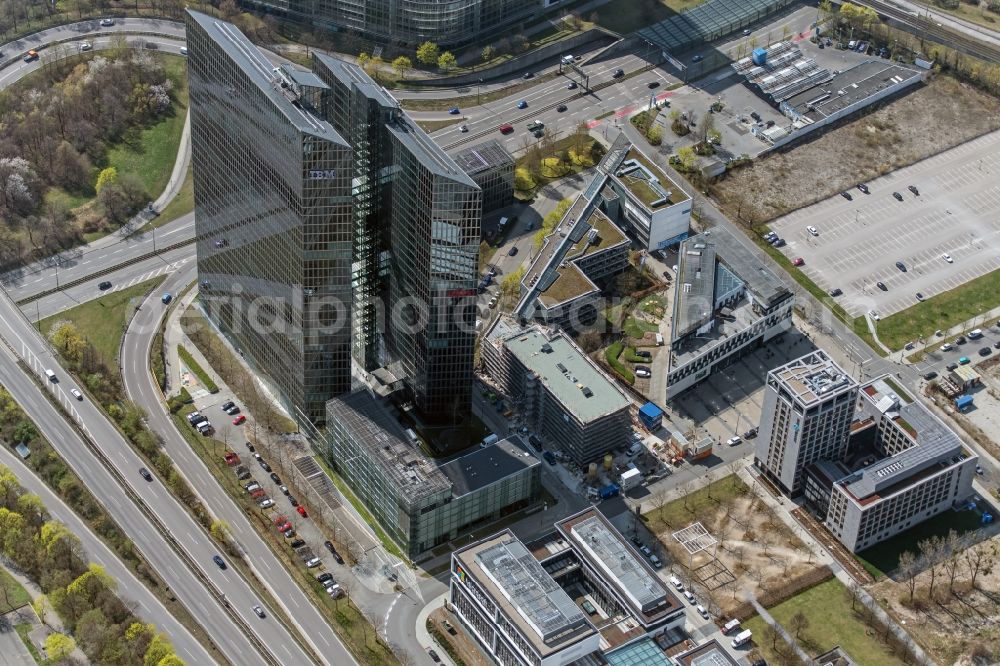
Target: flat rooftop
(565, 371)
(694, 293)
(598, 541)
(766, 287)
(371, 424)
(741, 317)
(812, 378)
(483, 157)
(934, 443)
(484, 466)
(526, 594)
(850, 87)
(710, 653)
(648, 182)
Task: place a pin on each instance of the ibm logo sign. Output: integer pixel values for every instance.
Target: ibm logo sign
(322, 174)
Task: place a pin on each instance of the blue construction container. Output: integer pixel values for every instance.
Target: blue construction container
(963, 402)
(651, 417)
(759, 56)
(610, 490)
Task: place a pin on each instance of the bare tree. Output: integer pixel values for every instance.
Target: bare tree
(980, 560)
(930, 553)
(853, 594)
(908, 569)
(951, 566)
(772, 634)
(798, 623)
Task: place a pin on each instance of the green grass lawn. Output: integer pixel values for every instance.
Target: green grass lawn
(180, 205)
(831, 622)
(431, 126)
(150, 156)
(941, 312)
(636, 328)
(102, 320)
(23, 630)
(682, 512)
(882, 558)
(969, 12)
(14, 595)
(627, 16)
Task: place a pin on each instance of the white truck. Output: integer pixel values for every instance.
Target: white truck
(630, 478)
(742, 638)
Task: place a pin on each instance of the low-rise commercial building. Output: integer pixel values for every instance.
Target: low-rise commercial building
(579, 592)
(726, 304)
(562, 394)
(491, 167)
(418, 502)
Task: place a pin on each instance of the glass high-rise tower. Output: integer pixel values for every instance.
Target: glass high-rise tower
(328, 222)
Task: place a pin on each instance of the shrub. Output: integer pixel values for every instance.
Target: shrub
(523, 180)
(199, 372)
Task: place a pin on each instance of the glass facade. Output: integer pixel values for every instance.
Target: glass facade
(273, 217)
(408, 22)
(330, 227)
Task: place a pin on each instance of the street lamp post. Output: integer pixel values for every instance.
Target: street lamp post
(480, 83)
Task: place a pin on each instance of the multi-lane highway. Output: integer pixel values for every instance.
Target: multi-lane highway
(141, 389)
(168, 537)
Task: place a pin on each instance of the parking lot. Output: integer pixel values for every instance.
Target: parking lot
(860, 239)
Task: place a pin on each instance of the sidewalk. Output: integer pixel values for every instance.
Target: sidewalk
(424, 637)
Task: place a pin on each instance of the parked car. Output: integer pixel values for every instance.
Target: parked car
(276, 478)
(226, 405)
(239, 420)
(951, 366)
(847, 195)
(750, 434)
(897, 196)
(642, 371)
(965, 360)
(733, 441)
(313, 563)
(881, 285)
(653, 84)
(302, 511)
(298, 543)
(864, 188)
(780, 242)
(836, 291)
(698, 58)
(812, 230)
(874, 315)
(798, 261)
(901, 266)
(947, 257)
(985, 351)
(913, 189)
(920, 296)
(433, 655)
(266, 503)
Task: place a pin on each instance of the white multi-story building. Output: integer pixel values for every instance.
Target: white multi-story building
(726, 304)
(907, 467)
(808, 408)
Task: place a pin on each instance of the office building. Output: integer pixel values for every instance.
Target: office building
(408, 22)
(326, 213)
(272, 189)
(726, 304)
(580, 594)
(418, 502)
(491, 167)
(416, 246)
(806, 416)
(562, 394)
(903, 465)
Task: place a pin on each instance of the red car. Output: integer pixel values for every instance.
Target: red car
(506, 128)
(256, 494)
(239, 419)
(302, 511)
(798, 261)
(280, 520)
(285, 527)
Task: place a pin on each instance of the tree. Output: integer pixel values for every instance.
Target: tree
(402, 65)
(108, 176)
(59, 646)
(523, 181)
(930, 553)
(589, 341)
(799, 623)
(908, 570)
(446, 61)
(772, 635)
(980, 560)
(363, 60)
(655, 135)
(488, 53)
(427, 53)
(686, 157)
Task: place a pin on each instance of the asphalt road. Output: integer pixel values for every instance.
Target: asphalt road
(201, 591)
(861, 239)
(141, 388)
(130, 588)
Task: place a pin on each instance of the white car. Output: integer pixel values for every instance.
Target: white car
(947, 346)
(107, 22)
(813, 230)
(947, 257)
(184, 50)
(266, 502)
(702, 611)
(86, 46)
(76, 394)
(874, 315)
(733, 441)
(314, 562)
(689, 596)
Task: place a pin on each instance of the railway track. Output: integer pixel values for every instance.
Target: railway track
(933, 31)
